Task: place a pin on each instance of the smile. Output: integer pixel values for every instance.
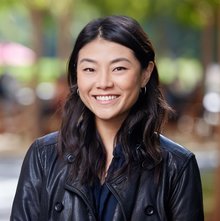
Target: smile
(105, 98)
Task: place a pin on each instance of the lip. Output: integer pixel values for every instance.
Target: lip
(106, 98)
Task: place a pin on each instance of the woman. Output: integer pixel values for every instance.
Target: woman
(109, 160)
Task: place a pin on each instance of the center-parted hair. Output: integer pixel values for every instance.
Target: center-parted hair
(139, 133)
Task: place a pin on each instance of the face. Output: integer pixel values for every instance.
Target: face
(109, 79)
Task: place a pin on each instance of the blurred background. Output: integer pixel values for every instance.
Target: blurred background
(36, 39)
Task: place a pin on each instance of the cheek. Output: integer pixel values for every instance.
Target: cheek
(80, 85)
(132, 89)
(131, 85)
(83, 84)
(83, 91)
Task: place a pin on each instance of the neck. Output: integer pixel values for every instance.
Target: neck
(107, 131)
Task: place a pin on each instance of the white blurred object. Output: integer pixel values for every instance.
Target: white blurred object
(211, 102)
(45, 91)
(25, 96)
(211, 99)
(213, 78)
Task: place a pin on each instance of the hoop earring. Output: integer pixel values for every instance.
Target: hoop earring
(144, 90)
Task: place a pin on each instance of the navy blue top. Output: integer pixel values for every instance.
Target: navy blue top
(104, 200)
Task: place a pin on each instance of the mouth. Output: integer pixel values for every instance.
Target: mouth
(105, 98)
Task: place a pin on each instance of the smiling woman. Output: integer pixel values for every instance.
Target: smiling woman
(109, 160)
(109, 79)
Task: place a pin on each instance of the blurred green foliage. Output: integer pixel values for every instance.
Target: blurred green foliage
(208, 192)
(187, 71)
(172, 26)
(47, 69)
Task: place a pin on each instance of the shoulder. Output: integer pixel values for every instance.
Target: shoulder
(176, 150)
(176, 158)
(50, 139)
(45, 143)
(43, 148)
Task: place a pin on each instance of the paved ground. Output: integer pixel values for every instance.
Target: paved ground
(12, 150)
(9, 170)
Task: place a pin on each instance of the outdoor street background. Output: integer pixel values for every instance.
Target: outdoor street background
(36, 39)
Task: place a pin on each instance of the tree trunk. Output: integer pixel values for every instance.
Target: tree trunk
(37, 17)
(207, 47)
(64, 38)
(37, 21)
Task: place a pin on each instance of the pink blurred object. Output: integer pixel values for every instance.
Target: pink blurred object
(14, 54)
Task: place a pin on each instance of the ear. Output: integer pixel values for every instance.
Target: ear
(146, 73)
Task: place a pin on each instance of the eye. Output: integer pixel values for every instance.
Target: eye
(119, 68)
(88, 70)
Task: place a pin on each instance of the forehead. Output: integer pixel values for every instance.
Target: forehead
(101, 49)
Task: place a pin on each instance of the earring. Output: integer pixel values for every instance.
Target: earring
(144, 90)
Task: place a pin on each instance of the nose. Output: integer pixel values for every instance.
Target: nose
(104, 80)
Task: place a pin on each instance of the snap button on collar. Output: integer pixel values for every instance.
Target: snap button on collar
(70, 158)
(58, 207)
(149, 210)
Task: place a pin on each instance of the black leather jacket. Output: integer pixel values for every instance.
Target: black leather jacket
(44, 193)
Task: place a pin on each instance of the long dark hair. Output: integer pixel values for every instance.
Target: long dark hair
(142, 126)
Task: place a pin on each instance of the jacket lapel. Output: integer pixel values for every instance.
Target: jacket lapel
(83, 191)
(125, 188)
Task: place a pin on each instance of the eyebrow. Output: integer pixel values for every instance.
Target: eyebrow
(112, 62)
(87, 60)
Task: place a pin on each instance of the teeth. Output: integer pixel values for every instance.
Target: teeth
(105, 98)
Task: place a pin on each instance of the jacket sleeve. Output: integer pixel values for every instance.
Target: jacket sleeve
(26, 204)
(186, 202)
